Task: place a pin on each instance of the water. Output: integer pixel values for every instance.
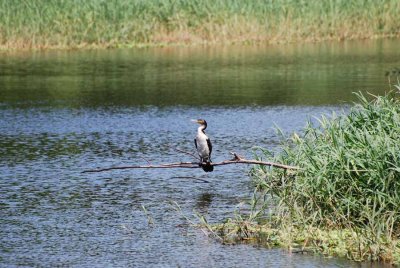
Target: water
(65, 112)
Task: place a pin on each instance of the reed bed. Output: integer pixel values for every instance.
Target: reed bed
(345, 200)
(103, 23)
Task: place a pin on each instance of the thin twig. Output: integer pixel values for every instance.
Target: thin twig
(184, 152)
(196, 157)
(236, 160)
(197, 179)
(145, 159)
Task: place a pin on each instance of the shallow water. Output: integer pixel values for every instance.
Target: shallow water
(64, 112)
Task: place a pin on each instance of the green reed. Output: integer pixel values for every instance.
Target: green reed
(61, 23)
(348, 185)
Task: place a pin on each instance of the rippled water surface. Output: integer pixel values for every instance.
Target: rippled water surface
(64, 112)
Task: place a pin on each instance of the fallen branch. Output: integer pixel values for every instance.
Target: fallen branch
(236, 160)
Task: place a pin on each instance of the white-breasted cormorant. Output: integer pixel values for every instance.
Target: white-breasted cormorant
(203, 146)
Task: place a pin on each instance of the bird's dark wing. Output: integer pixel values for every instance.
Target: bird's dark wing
(209, 146)
(195, 143)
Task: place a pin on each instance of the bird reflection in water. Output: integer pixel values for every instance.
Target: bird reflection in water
(203, 202)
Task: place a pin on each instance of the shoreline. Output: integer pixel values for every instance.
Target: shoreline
(202, 43)
(346, 243)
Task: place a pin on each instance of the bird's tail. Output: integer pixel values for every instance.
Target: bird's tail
(207, 167)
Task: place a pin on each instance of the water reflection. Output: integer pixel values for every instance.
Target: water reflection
(317, 74)
(203, 202)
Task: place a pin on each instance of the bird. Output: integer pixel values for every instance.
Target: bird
(203, 146)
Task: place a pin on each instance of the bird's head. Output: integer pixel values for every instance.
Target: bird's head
(200, 122)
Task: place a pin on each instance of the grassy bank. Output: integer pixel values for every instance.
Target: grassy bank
(101, 23)
(345, 200)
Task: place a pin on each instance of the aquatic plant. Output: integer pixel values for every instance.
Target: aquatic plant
(88, 23)
(345, 199)
(350, 166)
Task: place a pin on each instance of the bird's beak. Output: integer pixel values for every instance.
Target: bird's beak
(194, 120)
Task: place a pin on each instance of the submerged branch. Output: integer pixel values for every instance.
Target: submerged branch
(236, 160)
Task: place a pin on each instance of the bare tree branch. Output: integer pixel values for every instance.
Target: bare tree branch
(236, 160)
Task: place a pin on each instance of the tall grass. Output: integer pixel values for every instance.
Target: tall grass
(61, 23)
(351, 166)
(345, 200)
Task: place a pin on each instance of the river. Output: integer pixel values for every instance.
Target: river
(63, 112)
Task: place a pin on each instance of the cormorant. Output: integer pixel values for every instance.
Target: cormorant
(203, 146)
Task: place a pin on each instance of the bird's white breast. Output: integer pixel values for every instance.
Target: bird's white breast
(202, 146)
